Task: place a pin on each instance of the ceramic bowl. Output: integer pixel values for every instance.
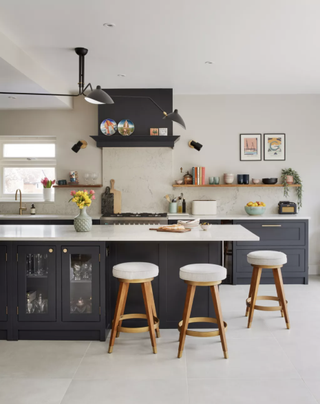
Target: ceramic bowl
(179, 182)
(255, 210)
(255, 181)
(270, 180)
(189, 224)
(205, 227)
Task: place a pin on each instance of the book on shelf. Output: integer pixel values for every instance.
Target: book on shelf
(198, 175)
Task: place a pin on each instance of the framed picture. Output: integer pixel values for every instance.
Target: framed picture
(274, 146)
(154, 132)
(250, 147)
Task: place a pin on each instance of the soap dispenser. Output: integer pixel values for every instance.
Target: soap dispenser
(33, 210)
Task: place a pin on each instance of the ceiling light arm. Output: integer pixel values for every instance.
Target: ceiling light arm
(140, 96)
(86, 87)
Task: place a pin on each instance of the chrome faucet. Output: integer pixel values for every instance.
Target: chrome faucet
(22, 208)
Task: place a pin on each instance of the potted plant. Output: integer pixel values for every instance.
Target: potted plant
(294, 178)
(47, 189)
(82, 222)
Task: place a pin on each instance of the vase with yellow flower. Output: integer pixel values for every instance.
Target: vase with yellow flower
(83, 199)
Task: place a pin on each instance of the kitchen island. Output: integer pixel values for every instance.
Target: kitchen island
(56, 283)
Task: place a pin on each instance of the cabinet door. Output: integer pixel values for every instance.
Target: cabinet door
(3, 284)
(36, 283)
(80, 284)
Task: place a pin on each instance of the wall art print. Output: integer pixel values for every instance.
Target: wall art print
(274, 146)
(250, 147)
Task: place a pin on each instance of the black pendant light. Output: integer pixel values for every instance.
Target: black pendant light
(98, 96)
(175, 117)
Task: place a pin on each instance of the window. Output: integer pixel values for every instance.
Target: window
(24, 161)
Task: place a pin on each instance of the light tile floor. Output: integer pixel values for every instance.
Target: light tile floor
(267, 364)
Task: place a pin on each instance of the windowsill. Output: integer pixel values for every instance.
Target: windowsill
(25, 199)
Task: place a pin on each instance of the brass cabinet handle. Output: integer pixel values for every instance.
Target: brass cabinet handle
(271, 225)
(65, 250)
(50, 250)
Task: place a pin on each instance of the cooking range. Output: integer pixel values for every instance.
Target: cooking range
(135, 218)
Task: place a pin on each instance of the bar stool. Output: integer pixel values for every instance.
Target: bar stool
(135, 272)
(273, 260)
(202, 275)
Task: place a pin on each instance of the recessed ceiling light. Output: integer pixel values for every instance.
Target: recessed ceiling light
(208, 62)
(109, 24)
(12, 98)
(121, 75)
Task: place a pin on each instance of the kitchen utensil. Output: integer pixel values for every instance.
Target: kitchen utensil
(255, 210)
(107, 200)
(125, 127)
(108, 127)
(270, 180)
(204, 226)
(172, 231)
(246, 178)
(287, 208)
(208, 207)
(116, 198)
(189, 224)
(255, 181)
(168, 198)
(216, 180)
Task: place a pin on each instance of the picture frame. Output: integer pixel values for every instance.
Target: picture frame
(154, 132)
(275, 147)
(250, 147)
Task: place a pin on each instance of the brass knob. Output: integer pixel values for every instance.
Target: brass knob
(65, 250)
(50, 250)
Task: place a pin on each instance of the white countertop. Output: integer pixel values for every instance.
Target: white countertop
(27, 216)
(122, 233)
(272, 216)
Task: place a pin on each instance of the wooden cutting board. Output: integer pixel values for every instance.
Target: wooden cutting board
(116, 198)
(172, 231)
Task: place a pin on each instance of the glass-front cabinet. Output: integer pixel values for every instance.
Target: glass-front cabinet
(80, 283)
(36, 283)
(3, 284)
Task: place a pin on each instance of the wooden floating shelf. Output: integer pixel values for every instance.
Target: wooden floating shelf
(78, 186)
(135, 141)
(232, 185)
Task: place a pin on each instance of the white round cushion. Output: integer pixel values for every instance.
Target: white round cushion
(267, 258)
(203, 273)
(135, 270)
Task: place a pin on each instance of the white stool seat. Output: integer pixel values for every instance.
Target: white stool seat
(203, 273)
(135, 270)
(267, 258)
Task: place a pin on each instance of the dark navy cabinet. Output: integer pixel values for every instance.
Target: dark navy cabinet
(3, 285)
(288, 236)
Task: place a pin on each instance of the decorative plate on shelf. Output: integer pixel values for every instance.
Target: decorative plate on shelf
(108, 127)
(125, 127)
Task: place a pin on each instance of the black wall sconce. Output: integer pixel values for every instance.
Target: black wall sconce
(195, 145)
(82, 144)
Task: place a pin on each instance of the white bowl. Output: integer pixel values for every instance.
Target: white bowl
(205, 227)
(255, 181)
(189, 224)
(179, 182)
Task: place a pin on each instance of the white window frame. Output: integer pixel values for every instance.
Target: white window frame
(23, 162)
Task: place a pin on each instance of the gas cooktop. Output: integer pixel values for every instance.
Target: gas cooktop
(135, 218)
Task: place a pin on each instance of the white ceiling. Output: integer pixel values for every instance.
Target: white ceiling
(257, 46)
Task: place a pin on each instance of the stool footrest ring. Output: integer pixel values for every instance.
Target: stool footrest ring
(136, 329)
(266, 308)
(193, 333)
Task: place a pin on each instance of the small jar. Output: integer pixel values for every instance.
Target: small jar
(187, 178)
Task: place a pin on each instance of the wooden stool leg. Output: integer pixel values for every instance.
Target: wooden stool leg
(276, 282)
(253, 281)
(186, 316)
(148, 305)
(153, 305)
(257, 273)
(217, 308)
(117, 313)
(125, 292)
(278, 279)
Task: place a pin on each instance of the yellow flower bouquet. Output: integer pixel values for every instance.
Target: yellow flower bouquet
(82, 198)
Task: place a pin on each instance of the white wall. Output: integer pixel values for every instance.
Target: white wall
(145, 175)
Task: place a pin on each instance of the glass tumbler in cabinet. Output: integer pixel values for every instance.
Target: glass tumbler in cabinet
(36, 284)
(80, 283)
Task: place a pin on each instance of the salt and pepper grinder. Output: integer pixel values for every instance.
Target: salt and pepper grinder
(32, 210)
